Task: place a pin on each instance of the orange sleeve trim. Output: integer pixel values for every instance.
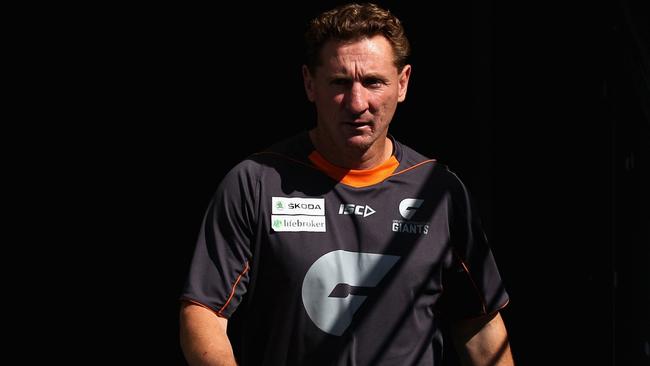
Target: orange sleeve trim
(197, 303)
(483, 305)
(234, 287)
(490, 313)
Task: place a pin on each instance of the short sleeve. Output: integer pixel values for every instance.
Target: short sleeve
(472, 284)
(218, 274)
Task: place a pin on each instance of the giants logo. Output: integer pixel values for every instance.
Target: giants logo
(408, 206)
(337, 284)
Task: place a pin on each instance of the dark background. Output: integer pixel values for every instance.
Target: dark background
(541, 108)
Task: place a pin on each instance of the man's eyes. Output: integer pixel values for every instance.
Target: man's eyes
(341, 82)
(368, 83)
(373, 83)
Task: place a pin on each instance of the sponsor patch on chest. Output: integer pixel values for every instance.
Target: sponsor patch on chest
(298, 214)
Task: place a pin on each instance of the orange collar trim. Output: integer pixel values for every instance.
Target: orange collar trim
(353, 177)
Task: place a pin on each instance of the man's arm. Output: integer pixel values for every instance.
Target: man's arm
(482, 341)
(203, 337)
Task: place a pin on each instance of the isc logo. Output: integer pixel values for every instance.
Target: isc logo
(352, 209)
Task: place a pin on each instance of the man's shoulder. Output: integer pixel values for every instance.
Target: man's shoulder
(409, 154)
(411, 159)
(298, 144)
(291, 150)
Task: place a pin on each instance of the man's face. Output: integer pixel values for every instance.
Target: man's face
(356, 90)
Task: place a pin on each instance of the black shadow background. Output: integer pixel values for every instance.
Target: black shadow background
(540, 109)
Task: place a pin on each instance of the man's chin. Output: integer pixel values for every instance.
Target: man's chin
(359, 142)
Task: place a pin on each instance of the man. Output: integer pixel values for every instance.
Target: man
(341, 246)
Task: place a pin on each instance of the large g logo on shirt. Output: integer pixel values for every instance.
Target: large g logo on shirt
(332, 290)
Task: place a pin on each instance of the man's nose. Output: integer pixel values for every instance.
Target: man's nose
(357, 100)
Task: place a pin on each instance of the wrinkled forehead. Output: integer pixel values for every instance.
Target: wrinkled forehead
(372, 52)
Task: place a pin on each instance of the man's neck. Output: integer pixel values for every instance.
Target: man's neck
(351, 157)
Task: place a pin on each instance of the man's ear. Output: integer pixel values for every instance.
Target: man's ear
(404, 82)
(308, 80)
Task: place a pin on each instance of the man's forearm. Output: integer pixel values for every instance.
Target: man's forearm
(203, 337)
(483, 342)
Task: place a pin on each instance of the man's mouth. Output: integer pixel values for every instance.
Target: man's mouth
(357, 123)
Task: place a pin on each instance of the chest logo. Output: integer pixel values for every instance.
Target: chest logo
(407, 209)
(408, 206)
(298, 214)
(352, 209)
(338, 283)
